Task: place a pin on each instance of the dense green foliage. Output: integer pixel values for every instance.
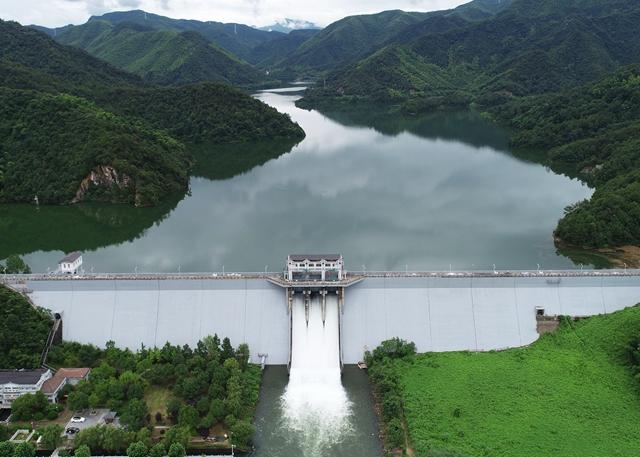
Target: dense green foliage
(210, 384)
(23, 331)
(159, 56)
(524, 49)
(570, 393)
(383, 372)
(14, 265)
(216, 113)
(633, 352)
(8, 449)
(63, 113)
(34, 407)
(42, 156)
(237, 39)
(593, 133)
(51, 436)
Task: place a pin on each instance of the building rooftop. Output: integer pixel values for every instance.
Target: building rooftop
(21, 376)
(53, 384)
(72, 257)
(314, 257)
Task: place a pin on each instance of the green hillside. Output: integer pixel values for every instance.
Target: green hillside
(23, 331)
(74, 128)
(527, 48)
(159, 56)
(237, 39)
(572, 393)
(346, 41)
(349, 39)
(593, 133)
(272, 52)
(50, 144)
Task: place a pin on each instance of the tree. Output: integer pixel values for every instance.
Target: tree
(15, 265)
(83, 451)
(243, 354)
(24, 450)
(241, 433)
(30, 407)
(157, 451)
(134, 416)
(78, 400)
(227, 349)
(216, 410)
(188, 417)
(137, 449)
(6, 449)
(173, 408)
(180, 435)
(52, 436)
(177, 450)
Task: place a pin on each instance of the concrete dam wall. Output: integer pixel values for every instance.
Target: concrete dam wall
(438, 313)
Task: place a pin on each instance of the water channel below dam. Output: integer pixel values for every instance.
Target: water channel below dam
(318, 411)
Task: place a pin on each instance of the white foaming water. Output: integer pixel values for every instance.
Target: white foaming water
(315, 405)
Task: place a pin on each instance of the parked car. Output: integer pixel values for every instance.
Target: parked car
(78, 419)
(72, 430)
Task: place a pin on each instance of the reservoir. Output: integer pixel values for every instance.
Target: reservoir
(388, 192)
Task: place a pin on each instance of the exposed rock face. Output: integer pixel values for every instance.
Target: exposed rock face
(102, 176)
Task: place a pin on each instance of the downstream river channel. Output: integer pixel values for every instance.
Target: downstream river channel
(388, 192)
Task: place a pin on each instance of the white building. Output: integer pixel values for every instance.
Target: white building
(315, 267)
(71, 263)
(14, 383)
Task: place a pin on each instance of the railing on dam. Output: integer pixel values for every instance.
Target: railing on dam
(351, 275)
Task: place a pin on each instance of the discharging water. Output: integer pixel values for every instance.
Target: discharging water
(315, 406)
(320, 412)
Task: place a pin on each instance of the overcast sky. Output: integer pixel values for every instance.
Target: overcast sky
(55, 13)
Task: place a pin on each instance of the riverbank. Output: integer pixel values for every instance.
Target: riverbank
(570, 393)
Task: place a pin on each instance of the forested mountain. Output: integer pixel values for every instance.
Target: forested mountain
(271, 53)
(238, 39)
(352, 38)
(529, 47)
(159, 56)
(348, 39)
(593, 133)
(74, 128)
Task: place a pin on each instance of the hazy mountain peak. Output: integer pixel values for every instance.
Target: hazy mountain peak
(286, 25)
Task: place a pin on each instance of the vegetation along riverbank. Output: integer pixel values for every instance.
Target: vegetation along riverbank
(573, 392)
(162, 396)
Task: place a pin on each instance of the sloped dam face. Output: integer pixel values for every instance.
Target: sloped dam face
(438, 313)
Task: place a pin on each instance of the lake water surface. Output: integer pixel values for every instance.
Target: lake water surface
(386, 191)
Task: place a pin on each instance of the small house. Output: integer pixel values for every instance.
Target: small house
(71, 263)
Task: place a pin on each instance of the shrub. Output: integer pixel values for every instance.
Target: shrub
(83, 451)
(137, 449)
(176, 450)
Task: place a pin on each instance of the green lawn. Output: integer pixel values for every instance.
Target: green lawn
(569, 394)
(156, 398)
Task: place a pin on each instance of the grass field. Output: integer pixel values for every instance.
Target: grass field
(570, 394)
(156, 399)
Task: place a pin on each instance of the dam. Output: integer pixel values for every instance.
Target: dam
(439, 311)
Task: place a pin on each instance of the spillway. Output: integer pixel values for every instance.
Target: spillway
(315, 407)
